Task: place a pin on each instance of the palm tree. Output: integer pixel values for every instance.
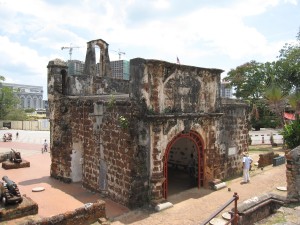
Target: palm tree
(294, 101)
(276, 100)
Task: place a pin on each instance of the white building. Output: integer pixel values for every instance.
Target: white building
(31, 97)
(226, 90)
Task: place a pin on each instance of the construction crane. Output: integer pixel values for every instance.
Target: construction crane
(119, 53)
(70, 49)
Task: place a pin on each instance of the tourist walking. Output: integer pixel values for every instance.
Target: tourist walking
(247, 160)
(45, 146)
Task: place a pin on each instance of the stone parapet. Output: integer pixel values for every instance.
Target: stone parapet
(266, 159)
(11, 165)
(258, 208)
(85, 215)
(26, 208)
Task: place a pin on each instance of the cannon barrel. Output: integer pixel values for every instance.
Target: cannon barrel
(11, 186)
(15, 156)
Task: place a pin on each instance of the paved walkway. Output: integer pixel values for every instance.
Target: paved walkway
(190, 207)
(194, 206)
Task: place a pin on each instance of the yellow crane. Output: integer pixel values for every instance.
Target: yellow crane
(70, 49)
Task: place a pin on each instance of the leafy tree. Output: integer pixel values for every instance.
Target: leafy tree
(276, 100)
(247, 80)
(270, 82)
(261, 116)
(289, 65)
(294, 100)
(8, 100)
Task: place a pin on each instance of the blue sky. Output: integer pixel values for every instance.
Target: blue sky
(214, 34)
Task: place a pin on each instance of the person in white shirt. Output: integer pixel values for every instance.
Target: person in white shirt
(45, 146)
(247, 160)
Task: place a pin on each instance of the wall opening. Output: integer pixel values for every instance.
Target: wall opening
(64, 84)
(76, 163)
(103, 175)
(183, 163)
(99, 66)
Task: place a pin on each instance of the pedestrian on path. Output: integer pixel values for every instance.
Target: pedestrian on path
(17, 135)
(247, 160)
(45, 146)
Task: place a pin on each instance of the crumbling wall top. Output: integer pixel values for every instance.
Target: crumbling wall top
(57, 63)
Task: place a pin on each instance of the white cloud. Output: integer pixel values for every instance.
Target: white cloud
(31, 36)
(161, 4)
(13, 54)
(253, 7)
(294, 2)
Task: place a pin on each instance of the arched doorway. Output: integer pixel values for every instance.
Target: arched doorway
(178, 153)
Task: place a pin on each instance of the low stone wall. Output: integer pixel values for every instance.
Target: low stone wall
(11, 165)
(88, 214)
(26, 208)
(293, 174)
(266, 159)
(258, 208)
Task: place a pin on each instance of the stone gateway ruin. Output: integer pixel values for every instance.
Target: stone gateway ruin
(134, 140)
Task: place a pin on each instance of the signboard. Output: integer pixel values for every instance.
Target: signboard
(232, 151)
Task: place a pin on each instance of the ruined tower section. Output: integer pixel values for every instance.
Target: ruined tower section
(94, 130)
(57, 87)
(99, 72)
(233, 135)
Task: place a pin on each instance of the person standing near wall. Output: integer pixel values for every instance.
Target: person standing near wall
(247, 160)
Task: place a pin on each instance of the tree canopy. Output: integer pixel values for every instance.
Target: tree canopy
(268, 84)
(8, 103)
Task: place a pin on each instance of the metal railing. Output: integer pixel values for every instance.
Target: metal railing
(234, 215)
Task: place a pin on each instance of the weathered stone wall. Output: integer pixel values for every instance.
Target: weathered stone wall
(266, 159)
(172, 88)
(180, 98)
(126, 167)
(79, 85)
(258, 208)
(26, 208)
(293, 174)
(85, 215)
(102, 140)
(118, 144)
(232, 136)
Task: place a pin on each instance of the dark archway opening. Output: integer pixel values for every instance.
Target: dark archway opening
(182, 166)
(180, 174)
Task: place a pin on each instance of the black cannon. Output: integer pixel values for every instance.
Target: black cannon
(15, 156)
(9, 192)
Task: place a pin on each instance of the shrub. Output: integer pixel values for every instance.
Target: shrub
(291, 134)
(123, 122)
